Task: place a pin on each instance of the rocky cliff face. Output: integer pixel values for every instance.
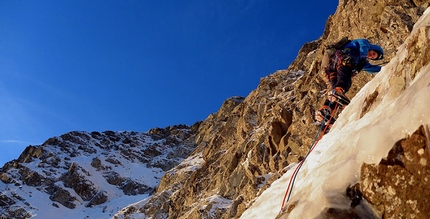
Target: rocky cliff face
(398, 186)
(240, 150)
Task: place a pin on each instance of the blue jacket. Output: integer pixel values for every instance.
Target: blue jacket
(359, 49)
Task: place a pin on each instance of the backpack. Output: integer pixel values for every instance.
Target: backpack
(339, 44)
(331, 49)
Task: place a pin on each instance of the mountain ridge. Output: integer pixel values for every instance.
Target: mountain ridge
(84, 169)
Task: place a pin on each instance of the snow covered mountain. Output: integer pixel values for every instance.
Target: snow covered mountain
(90, 175)
(239, 161)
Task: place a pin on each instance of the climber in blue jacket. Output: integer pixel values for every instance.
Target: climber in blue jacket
(346, 62)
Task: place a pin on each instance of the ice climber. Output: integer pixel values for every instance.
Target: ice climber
(343, 64)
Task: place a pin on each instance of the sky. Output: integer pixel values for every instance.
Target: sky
(136, 65)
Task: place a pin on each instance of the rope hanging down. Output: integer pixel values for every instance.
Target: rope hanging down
(317, 138)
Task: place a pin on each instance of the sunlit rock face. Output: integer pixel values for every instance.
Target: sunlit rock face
(398, 185)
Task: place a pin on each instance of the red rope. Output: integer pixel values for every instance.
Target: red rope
(294, 175)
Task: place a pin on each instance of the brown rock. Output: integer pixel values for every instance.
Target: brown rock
(398, 186)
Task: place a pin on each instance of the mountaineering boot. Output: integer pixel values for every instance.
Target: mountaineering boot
(323, 115)
(337, 95)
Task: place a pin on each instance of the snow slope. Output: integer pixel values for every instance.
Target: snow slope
(335, 162)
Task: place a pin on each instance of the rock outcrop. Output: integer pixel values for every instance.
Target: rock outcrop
(398, 186)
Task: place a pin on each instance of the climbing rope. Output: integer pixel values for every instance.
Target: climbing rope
(317, 138)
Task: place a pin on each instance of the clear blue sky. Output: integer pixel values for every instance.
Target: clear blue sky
(96, 65)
